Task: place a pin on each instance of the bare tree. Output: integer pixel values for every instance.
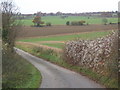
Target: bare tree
(10, 23)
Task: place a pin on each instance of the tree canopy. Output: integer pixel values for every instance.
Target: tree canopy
(10, 23)
(37, 21)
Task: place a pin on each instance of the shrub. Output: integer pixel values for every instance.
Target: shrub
(67, 23)
(37, 49)
(48, 24)
(81, 22)
(77, 22)
(112, 64)
(48, 52)
(40, 50)
(105, 20)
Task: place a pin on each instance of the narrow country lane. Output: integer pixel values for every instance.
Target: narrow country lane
(54, 76)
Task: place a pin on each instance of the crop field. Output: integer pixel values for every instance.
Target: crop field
(58, 41)
(28, 31)
(56, 36)
(57, 20)
(90, 35)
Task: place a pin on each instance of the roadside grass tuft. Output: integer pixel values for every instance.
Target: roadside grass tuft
(56, 45)
(19, 73)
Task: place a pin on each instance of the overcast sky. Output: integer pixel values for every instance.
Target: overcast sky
(72, 6)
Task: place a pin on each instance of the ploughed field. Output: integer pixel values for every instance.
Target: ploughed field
(55, 36)
(28, 31)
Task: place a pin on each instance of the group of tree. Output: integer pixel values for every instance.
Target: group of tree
(82, 22)
(76, 23)
(105, 21)
(98, 14)
(38, 22)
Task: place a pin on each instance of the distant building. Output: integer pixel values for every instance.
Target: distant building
(106, 14)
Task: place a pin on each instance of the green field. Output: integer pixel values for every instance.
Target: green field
(57, 20)
(90, 35)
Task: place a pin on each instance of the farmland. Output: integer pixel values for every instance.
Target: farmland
(67, 37)
(64, 38)
(54, 35)
(44, 46)
(33, 46)
(49, 42)
(57, 20)
(28, 31)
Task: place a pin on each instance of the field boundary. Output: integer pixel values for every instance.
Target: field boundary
(39, 45)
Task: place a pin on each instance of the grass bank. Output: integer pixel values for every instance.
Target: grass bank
(57, 58)
(56, 45)
(19, 73)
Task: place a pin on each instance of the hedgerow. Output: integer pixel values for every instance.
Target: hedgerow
(99, 55)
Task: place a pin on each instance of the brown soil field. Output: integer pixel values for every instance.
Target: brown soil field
(28, 31)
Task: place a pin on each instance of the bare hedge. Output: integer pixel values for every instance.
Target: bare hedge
(94, 54)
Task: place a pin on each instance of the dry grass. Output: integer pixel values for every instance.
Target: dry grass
(45, 47)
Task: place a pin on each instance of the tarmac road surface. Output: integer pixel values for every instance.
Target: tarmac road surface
(54, 76)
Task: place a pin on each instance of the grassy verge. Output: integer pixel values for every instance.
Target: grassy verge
(19, 73)
(56, 45)
(57, 59)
